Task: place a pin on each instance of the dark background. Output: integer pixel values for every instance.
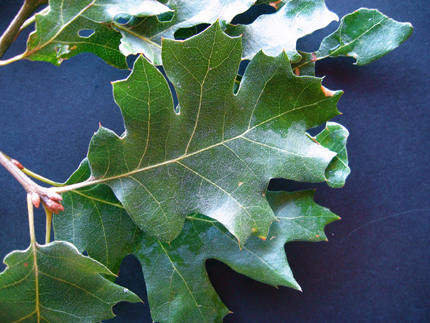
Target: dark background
(376, 265)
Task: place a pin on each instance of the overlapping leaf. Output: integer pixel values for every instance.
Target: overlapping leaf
(58, 35)
(55, 283)
(107, 10)
(95, 221)
(144, 36)
(334, 137)
(280, 31)
(217, 153)
(177, 282)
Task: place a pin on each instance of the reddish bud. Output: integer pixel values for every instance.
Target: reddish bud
(52, 205)
(17, 163)
(35, 198)
(54, 196)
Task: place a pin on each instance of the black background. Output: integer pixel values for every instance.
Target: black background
(376, 265)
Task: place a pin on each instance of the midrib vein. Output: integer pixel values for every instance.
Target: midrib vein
(71, 187)
(201, 96)
(36, 279)
(183, 279)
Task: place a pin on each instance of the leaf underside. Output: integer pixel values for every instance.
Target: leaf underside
(280, 31)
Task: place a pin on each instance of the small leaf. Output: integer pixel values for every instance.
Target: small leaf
(178, 287)
(55, 283)
(334, 137)
(306, 65)
(280, 31)
(366, 35)
(95, 221)
(216, 155)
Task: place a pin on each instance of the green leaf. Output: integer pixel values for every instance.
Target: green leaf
(366, 35)
(306, 65)
(60, 33)
(95, 221)
(177, 283)
(144, 36)
(55, 283)
(280, 31)
(178, 287)
(217, 153)
(334, 137)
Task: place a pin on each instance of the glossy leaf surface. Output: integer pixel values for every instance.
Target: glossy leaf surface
(55, 283)
(366, 35)
(178, 287)
(218, 153)
(334, 137)
(280, 31)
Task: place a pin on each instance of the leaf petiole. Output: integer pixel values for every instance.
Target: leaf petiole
(40, 177)
(48, 225)
(31, 218)
(32, 19)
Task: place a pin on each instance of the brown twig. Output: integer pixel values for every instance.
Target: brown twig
(14, 28)
(49, 198)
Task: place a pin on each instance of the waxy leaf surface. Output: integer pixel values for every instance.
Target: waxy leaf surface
(216, 154)
(54, 283)
(334, 137)
(178, 286)
(107, 10)
(280, 31)
(145, 35)
(95, 221)
(366, 35)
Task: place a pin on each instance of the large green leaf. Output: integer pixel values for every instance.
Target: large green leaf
(178, 286)
(177, 283)
(145, 35)
(280, 31)
(95, 221)
(366, 35)
(216, 154)
(55, 283)
(73, 27)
